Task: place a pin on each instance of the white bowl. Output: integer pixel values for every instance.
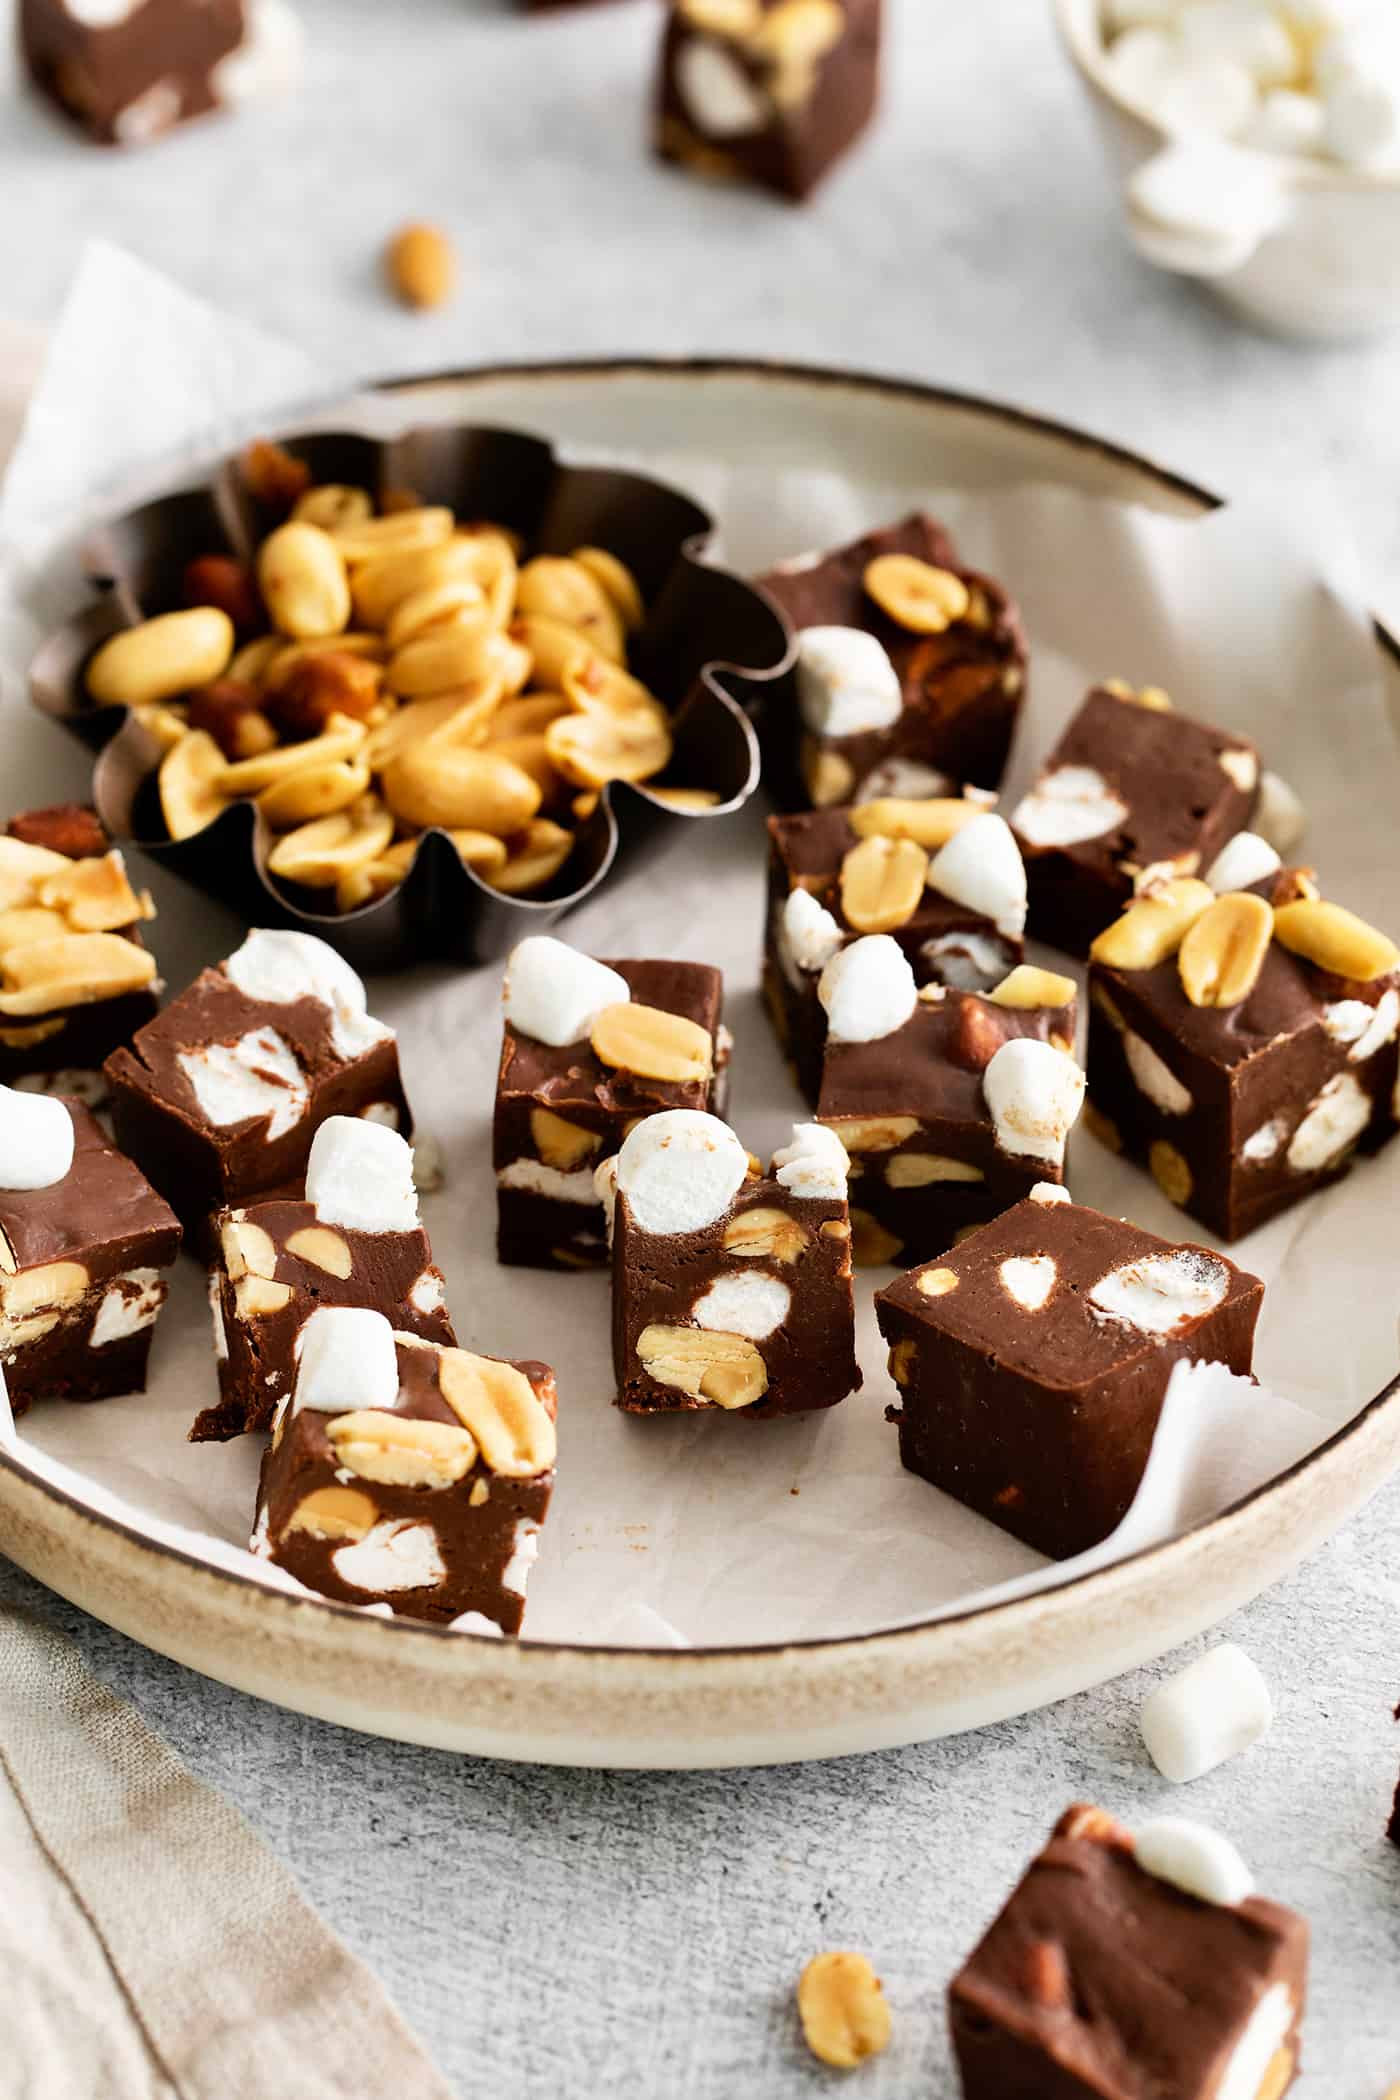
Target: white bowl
(1321, 256)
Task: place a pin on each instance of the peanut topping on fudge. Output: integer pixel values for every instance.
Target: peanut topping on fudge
(1242, 1037)
(83, 1241)
(731, 1289)
(589, 1048)
(408, 1474)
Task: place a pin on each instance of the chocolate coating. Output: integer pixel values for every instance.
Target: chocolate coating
(136, 77)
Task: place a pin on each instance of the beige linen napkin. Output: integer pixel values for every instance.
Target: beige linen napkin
(151, 1947)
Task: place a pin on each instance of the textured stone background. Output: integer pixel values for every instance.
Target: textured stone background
(562, 1934)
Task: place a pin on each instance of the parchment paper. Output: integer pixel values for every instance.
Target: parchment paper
(717, 1530)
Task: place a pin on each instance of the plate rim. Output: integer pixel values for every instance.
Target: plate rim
(828, 1647)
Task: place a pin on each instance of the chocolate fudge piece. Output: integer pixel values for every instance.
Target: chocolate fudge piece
(943, 877)
(355, 1240)
(405, 1474)
(127, 73)
(589, 1048)
(83, 1241)
(1393, 1827)
(1243, 1047)
(76, 979)
(1132, 789)
(220, 1097)
(1125, 1969)
(771, 92)
(910, 674)
(952, 1105)
(731, 1288)
(1033, 1361)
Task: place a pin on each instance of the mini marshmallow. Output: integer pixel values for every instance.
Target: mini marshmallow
(1332, 1125)
(36, 1140)
(752, 1304)
(360, 1175)
(347, 1360)
(1217, 196)
(815, 1164)
(393, 1556)
(554, 994)
(1210, 1711)
(1279, 815)
(258, 1077)
(680, 1171)
(1361, 118)
(1367, 1032)
(1264, 1142)
(810, 934)
(717, 91)
(1154, 1077)
(846, 683)
(1034, 1093)
(908, 779)
(1139, 60)
(1247, 859)
(1067, 806)
(1162, 1293)
(1050, 1192)
(1248, 32)
(281, 967)
(560, 1184)
(1286, 122)
(868, 990)
(1205, 96)
(1029, 1279)
(981, 867)
(1194, 1858)
(966, 961)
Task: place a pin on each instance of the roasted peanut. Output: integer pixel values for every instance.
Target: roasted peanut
(332, 504)
(618, 582)
(441, 784)
(222, 580)
(321, 853)
(317, 791)
(653, 1044)
(929, 823)
(1335, 940)
(398, 1451)
(535, 858)
(566, 591)
(1153, 927)
(765, 1234)
(340, 739)
(324, 1249)
(443, 659)
(272, 475)
(591, 750)
(844, 2013)
(70, 829)
(231, 713)
(882, 883)
(1224, 950)
(403, 532)
(77, 969)
(439, 605)
(334, 1513)
(499, 1406)
(174, 653)
(1026, 986)
(917, 596)
(725, 1369)
(301, 697)
(421, 266)
(190, 781)
(301, 573)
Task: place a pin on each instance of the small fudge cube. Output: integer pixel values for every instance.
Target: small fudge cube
(1125, 1969)
(771, 92)
(407, 1474)
(956, 905)
(1243, 1047)
(84, 1239)
(910, 675)
(1032, 1362)
(76, 979)
(355, 1240)
(731, 1289)
(952, 1105)
(128, 71)
(589, 1048)
(1131, 786)
(220, 1097)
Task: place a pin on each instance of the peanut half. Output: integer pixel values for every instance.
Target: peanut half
(398, 1451)
(162, 657)
(882, 883)
(1335, 940)
(725, 1369)
(1153, 927)
(917, 596)
(844, 2012)
(1224, 950)
(500, 1407)
(653, 1044)
(929, 823)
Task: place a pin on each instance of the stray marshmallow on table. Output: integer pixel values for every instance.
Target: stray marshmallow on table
(1216, 1707)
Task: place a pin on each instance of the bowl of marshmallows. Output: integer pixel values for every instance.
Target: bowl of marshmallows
(1258, 147)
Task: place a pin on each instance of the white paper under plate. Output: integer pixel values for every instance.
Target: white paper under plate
(727, 1532)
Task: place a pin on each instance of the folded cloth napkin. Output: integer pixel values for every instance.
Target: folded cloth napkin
(151, 1946)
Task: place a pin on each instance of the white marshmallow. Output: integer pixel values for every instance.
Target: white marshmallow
(1247, 859)
(815, 1164)
(562, 1185)
(908, 778)
(257, 1078)
(1034, 1093)
(967, 961)
(1205, 96)
(981, 867)
(808, 936)
(216, 1316)
(36, 1140)
(427, 1294)
(1194, 1858)
(1162, 1293)
(846, 683)
(393, 1556)
(280, 967)
(1247, 31)
(1220, 198)
(680, 1171)
(524, 1552)
(1140, 58)
(1331, 1126)
(151, 113)
(1241, 767)
(1067, 806)
(268, 59)
(554, 994)
(1286, 122)
(868, 990)
(1154, 1077)
(1050, 1192)
(476, 1622)
(1371, 1029)
(347, 1361)
(1263, 1143)
(100, 14)
(1361, 119)
(1029, 1279)
(717, 92)
(1279, 815)
(751, 1304)
(131, 1304)
(360, 1175)
(1246, 2073)
(1210, 1711)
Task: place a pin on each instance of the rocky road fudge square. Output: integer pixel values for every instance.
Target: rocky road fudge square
(731, 1288)
(944, 878)
(220, 1097)
(1131, 1968)
(405, 1474)
(1032, 1362)
(951, 1105)
(355, 1240)
(1131, 788)
(910, 674)
(772, 92)
(84, 1239)
(1242, 1045)
(589, 1048)
(76, 979)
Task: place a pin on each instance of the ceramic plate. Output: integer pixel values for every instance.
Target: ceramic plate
(731, 1705)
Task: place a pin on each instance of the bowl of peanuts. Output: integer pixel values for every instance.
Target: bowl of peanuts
(419, 694)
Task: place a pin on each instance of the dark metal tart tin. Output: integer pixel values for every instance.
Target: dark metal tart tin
(708, 636)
